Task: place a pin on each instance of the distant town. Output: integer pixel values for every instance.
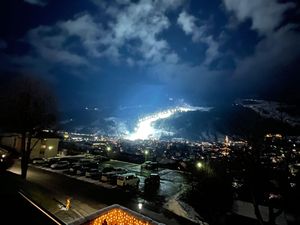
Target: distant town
(163, 172)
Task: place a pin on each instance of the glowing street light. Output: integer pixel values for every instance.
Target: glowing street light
(146, 152)
(108, 148)
(199, 165)
(140, 206)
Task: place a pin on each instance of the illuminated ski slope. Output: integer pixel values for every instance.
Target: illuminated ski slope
(145, 126)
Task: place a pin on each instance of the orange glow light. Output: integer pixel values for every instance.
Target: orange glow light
(117, 217)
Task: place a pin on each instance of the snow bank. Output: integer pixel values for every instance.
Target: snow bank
(180, 208)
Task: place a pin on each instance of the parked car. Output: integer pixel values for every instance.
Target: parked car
(128, 180)
(73, 169)
(101, 158)
(108, 177)
(51, 161)
(60, 165)
(93, 173)
(80, 167)
(38, 161)
(85, 167)
(153, 180)
(108, 169)
(72, 160)
(148, 165)
(121, 170)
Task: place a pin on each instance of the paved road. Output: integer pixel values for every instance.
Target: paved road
(87, 197)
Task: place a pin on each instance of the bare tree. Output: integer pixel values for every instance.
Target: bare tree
(28, 107)
(258, 178)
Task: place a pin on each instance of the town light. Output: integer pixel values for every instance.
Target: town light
(108, 148)
(146, 152)
(140, 206)
(199, 165)
(50, 147)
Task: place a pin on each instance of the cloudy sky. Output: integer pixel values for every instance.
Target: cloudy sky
(122, 52)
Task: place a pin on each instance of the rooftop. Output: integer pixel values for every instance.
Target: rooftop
(115, 215)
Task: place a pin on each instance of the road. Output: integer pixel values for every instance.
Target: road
(88, 197)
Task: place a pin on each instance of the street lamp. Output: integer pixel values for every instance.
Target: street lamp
(199, 165)
(146, 152)
(140, 205)
(108, 148)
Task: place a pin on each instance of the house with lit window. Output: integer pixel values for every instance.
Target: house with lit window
(44, 145)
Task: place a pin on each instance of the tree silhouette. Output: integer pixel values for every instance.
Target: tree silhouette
(258, 178)
(211, 194)
(28, 107)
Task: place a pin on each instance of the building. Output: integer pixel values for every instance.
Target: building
(6, 159)
(45, 145)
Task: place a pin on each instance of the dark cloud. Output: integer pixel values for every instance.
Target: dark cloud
(141, 23)
(199, 34)
(267, 66)
(265, 15)
(3, 44)
(277, 50)
(37, 2)
(128, 42)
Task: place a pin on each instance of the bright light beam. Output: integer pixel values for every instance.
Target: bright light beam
(145, 127)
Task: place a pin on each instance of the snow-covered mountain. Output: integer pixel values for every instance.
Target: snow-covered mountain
(193, 123)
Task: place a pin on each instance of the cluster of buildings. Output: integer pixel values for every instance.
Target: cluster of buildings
(44, 144)
(276, 153)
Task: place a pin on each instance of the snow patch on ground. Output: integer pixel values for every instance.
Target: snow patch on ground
(270, 109)
(180, 208)
(246, 209)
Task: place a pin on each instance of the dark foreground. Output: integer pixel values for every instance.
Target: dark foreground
(15, 209)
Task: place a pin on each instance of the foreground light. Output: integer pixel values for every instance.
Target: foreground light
(68, 204)
(146, 152)
(3, 155)
(108, 148)
(118, 216)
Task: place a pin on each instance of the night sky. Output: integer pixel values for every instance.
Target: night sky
(147, 52)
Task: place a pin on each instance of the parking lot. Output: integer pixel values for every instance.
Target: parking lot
(91, 193)
(171, 181)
